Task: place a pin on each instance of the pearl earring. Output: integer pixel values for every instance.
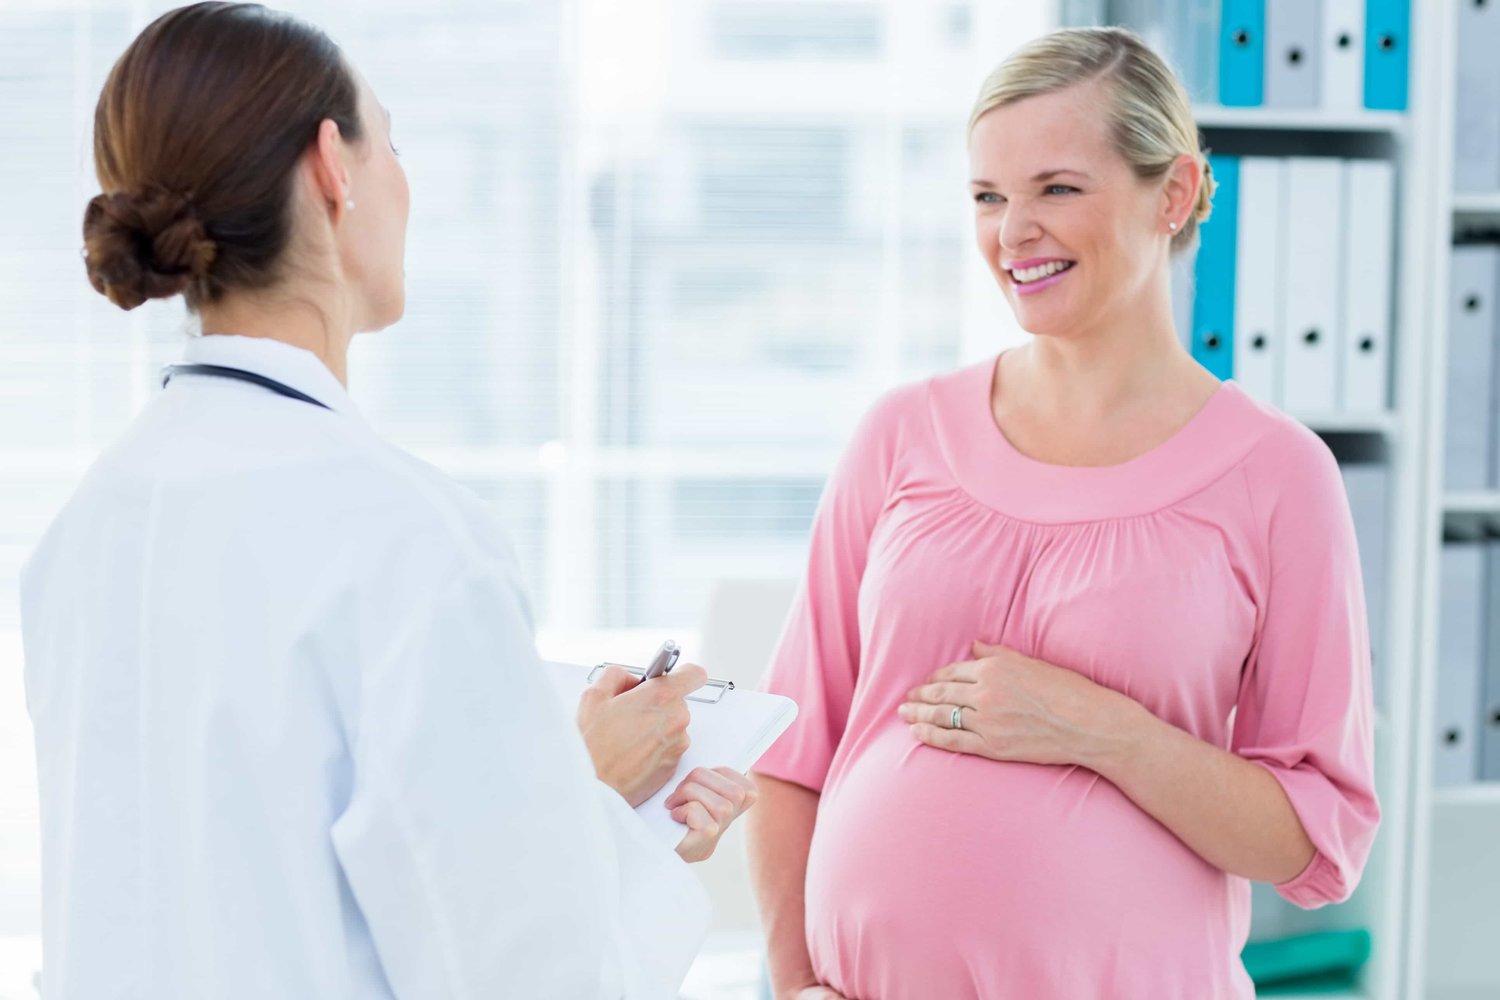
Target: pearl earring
(349, 204)
(1171, 225)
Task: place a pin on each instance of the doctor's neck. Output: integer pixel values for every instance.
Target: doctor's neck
(323, 327)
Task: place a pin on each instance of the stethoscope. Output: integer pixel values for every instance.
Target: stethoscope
(240, 375)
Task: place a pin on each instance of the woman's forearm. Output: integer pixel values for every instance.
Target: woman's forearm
(1228, 810)
(779, 833)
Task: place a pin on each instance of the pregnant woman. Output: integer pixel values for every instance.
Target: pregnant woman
(1081, 649)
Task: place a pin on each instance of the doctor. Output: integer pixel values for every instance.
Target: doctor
(293, 739)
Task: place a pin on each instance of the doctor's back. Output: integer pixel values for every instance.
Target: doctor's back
(292, 736)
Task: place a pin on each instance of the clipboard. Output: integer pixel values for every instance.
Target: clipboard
(730, 727)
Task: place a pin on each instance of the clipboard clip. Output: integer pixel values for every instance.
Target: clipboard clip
(718, 686)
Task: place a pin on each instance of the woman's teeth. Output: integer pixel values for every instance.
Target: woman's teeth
(1030, 274)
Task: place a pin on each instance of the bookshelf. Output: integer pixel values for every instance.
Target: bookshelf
(1454, 850)
(1480, 503)
(1215, 116)
(1476, 206)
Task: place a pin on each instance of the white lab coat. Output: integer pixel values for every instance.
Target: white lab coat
(293, 739)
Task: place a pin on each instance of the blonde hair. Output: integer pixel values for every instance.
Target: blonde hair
(1149, 113)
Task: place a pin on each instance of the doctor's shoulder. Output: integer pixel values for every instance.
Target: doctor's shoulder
(414, 498)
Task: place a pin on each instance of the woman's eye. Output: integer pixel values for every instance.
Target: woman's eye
(988, 198)
(1060, 189)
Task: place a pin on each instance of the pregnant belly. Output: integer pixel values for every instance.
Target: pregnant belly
(935, 874)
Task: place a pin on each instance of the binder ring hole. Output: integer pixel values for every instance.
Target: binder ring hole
(1367, 344)
(1471, 304)
(1212, 340)
(1310, 337)
(1258, 342)
(1387, 43)
(1345, 40)
(1242, 37)
(1294, 56)
(1451, 737)
(1495, 717)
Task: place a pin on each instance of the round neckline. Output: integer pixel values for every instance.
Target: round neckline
(1145, 456)
(990, 468)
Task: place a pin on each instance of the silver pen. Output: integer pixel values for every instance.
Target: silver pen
(663, 662)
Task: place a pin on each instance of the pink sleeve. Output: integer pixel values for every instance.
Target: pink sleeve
(1305, 709)
(817, 658)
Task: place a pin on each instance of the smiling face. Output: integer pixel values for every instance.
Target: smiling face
(1072, 235)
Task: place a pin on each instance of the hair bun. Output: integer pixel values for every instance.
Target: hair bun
(1206, 189)
(144, 244)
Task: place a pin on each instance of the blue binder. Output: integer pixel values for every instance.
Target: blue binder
(1213, 274)
(1387, 53)
(1242, 53)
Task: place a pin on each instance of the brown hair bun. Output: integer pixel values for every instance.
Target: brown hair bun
(146, 244)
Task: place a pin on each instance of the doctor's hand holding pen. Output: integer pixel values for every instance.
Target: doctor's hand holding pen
(636, 730)
(636, 733)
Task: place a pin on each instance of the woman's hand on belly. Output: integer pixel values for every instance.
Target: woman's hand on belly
(1231, 812)
(1015, 708)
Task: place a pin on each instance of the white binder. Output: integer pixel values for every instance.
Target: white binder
(1476, 110)
(1294, 53)
(1311, 262)
(1474, 277)
(1364, 341)
(1148, 18)
(1492, 418)
(1257, 294)
(1196, 47)
(1343, 55)
(1489, 709)
(729, 728)
(1368, 487)
(1460, 646)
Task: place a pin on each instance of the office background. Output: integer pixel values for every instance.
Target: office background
(663, 253)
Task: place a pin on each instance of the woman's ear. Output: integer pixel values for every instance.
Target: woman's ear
(330, 176)
(1180, 192)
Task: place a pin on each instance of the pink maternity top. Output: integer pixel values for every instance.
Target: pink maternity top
(1213, 579)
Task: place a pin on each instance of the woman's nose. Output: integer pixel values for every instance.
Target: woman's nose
(1018, 227)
